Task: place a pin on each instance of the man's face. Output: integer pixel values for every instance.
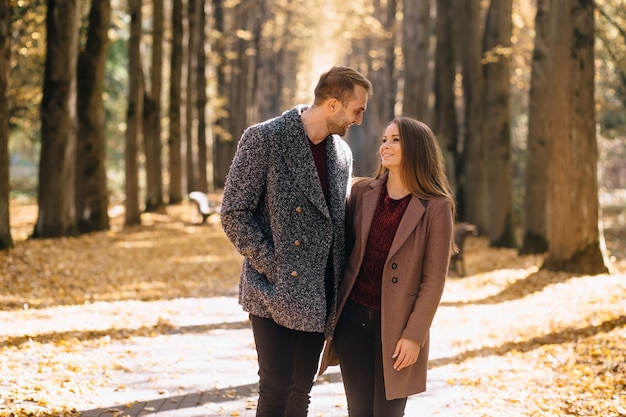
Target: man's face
(342, 117)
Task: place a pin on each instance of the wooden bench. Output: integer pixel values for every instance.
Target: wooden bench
(203, 203)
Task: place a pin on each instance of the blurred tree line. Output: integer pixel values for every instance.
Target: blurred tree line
(145, 100)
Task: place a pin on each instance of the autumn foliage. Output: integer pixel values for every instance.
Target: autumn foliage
(75, 312)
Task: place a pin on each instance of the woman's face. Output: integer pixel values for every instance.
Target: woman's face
(390, 149)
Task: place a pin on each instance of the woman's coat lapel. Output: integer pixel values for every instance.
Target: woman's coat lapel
(414, 212)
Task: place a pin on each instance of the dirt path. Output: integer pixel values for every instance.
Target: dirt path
(130, 322)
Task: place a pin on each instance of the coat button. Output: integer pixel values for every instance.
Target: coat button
(394, 265)
(298, 209)
(294, 274)
(297, 243)
(394, 280)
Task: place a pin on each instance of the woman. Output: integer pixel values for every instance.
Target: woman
(400, 229)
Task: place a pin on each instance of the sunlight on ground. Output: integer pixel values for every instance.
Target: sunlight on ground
(150, 312)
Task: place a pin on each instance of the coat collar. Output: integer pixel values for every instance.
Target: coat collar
(412, 216)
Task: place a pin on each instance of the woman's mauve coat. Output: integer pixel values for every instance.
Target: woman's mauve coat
(413, 277)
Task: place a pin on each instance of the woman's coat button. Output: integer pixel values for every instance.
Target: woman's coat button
(394, 280)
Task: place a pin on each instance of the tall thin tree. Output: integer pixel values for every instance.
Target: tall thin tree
(201, 99)
(534, 235)
(191, 94)
(223, 142)
(240, 71)
(445, 123)
(175, 113)
(6, 240)
(133, 116)
(472, 191)
(57, 163)
(416, 34)
(92, 195)
(152, 114)
(280, 63)
(374, 54)
(497, 46)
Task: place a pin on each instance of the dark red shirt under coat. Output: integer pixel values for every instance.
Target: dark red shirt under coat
(389, 212)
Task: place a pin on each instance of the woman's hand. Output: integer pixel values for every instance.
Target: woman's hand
(406, 353)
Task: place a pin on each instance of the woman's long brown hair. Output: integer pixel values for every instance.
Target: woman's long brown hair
(422, 165)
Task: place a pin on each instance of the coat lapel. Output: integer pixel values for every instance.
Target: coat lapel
(338, 172)
(299, 160)
(412, 216)
(368, 207)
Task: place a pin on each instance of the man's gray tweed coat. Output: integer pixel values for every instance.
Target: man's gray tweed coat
(275, 213)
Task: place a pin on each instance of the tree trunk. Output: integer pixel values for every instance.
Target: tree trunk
(574, 240)
(92, 196)
(134, 116)
(364, 139)
(534, 232)
(5, 51)
(271, 104)
(416, 34)
(176, 132)
(388, 71)
(238, 97)
(611, 33)
(201, 101)
(279, 63)
(190, 96)
(57, 162)
(472, 192)
(445, 123)
(152, 116)
(497, 126)
(223, 143)
(258, 16)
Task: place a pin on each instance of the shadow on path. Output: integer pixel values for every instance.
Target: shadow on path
(192, 400)
(555, 338)
(243, 392)
(123, 333)
(533, 283)
(161, 405)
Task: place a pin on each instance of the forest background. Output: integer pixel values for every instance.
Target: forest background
(106, 125)
(142, 102)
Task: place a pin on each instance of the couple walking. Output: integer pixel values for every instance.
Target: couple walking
(354, 268)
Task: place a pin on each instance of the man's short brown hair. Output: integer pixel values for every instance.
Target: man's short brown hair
(339, 83)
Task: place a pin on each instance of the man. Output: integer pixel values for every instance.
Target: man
(283, 209)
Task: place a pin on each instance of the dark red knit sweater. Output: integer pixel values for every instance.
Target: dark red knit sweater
(389, 212)
(319, 156)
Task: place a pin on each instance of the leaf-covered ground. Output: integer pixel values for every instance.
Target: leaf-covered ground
(79, 315)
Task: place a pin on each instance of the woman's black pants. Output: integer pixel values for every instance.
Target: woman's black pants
(288, 362)
(358, 344)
